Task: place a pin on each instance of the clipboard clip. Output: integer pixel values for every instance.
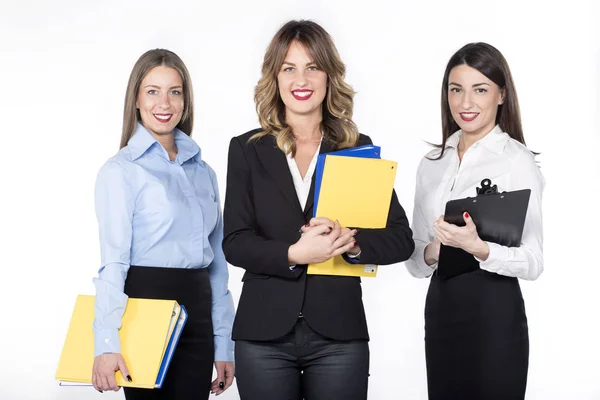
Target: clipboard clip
(487, 188)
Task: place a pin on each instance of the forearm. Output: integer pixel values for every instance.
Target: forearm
(109, 306)
(259, 255)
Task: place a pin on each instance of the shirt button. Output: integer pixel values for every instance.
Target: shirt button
(106, 340)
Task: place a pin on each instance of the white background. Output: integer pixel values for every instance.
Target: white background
(65, 66)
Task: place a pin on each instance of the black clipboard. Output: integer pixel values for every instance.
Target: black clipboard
(499, 218)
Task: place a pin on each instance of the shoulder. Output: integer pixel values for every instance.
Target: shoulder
(522, 161)
(116, 164)
(516, 151)
(120, 166)
(245, 137)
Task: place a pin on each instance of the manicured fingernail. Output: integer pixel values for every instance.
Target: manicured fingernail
(355, 231)
(221, 385)
(100, 391)
(307, 225)
(354, 243)
(129, 378)
(466, 214)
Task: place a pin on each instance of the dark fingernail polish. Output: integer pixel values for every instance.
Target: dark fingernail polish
(356, 231)
(100, 391)
(466, 214)
(129, 378)
(307, 225)
(221, 385)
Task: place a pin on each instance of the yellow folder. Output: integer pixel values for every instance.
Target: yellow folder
(357, 192)
(149, 331)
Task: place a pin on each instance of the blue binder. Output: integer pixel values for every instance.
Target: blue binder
(166, 361)
(366, 151)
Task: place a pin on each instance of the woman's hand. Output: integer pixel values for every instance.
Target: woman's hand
(225, 373)
(463, 237)
(321, 242)
(326, 221)
(103, 371)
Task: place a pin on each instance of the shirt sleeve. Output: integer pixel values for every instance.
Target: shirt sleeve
(422, 234)
(222, 303)
(114, 211)
(526, 261)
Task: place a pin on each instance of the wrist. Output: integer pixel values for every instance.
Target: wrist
(292, 255)
(430, 255)
(480, 250)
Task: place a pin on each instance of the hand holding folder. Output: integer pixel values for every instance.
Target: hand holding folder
(337, 177)
(499, 218)
(149, 334)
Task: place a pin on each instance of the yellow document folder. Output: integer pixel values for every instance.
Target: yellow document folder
(149, 333)
(357, 192)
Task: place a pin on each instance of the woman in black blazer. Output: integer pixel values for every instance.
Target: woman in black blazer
(298, 335)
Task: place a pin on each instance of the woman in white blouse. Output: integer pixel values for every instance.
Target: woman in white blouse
(476, 335)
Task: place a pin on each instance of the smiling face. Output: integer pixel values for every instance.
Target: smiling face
(160, 100)
(302, 84)
(473, 100)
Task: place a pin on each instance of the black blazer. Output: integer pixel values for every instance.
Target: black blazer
(262, 216)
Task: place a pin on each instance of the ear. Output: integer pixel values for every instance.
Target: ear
(502, 96)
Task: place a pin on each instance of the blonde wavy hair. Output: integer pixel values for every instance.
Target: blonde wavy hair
(337, 125)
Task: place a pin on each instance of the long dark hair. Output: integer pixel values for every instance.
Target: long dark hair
(491, 63)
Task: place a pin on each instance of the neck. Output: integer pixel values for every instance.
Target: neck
(305, 127)
(168, 142)
(467, 139)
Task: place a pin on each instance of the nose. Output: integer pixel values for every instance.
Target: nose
(164, 101)
(466, 100)
(301, 79)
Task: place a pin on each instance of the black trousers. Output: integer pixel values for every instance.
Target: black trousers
(190, 372)
(476, 338)
(302, 365)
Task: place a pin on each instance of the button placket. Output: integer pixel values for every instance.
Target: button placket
(196, 216)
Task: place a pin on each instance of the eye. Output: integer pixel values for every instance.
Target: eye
(176, 92)
(480, 90)
(455, 89)
(288, 69)
(313, 68)
(152, 91)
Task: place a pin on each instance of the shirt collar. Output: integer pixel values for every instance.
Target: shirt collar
(142, 141)
(494, 141)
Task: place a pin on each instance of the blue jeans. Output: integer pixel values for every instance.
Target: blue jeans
(302, 365)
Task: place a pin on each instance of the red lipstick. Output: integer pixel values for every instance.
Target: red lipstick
(302, 94)
(468, 117)
(163, 118)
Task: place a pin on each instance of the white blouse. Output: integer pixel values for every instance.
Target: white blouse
(510, 166)
(302, 185)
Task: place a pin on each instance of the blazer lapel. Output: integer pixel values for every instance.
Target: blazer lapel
(275, 162)
(326, 147)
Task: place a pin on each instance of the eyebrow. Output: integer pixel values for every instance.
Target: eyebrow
(293, 65)
(475, 85)
(158, 87)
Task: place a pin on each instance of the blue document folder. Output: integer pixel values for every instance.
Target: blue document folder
(366, 151)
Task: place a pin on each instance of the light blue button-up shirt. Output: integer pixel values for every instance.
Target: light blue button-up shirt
(155, 212)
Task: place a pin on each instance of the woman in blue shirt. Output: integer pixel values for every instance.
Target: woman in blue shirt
(161, 229)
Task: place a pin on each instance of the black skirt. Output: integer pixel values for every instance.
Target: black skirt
(476, 338)
(190, 372)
